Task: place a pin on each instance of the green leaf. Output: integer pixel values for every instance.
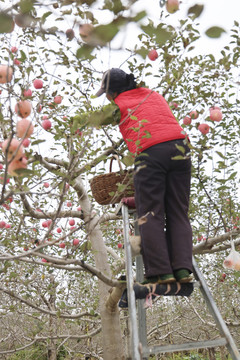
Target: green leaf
(128, 160)
(139, 16)
(36, 142)
(181, 149)
(132, 117)
(84, 52)
(6, 23)
(26, 6)
(105, 33)
(23, 56)
(214, 32)
(178, 157)
(44, 17)
(143, 51)
(161, 35)
(24, 172)
(196, 10)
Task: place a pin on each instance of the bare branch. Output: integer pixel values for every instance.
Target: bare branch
(45, 338)
(44, 311)
(207, 246)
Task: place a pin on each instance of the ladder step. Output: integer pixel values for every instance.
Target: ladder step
(142, 291)
(146, 351)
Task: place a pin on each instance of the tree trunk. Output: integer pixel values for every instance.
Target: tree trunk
(52, 347)
(110, 320)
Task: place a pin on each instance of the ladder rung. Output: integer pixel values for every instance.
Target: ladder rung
(183, 347)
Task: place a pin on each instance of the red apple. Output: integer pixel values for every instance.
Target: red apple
(13, 149)
(69, 204)
(78, 132)
(6, 206)
(44, 260)
(215, 114)
(85, 31)
(27, 93)
(58, 99)
(6, 73)
(17, 62)
(46, 184)
(173, 104)
(16, 165)
(59, 230)
(204, 128)
(38, 83)
(153, 55)
(70, 34)
(26, 142)
(46, 124)
(79, 208)
(14, 49)
(75, 242)
(71, 222)
(120, 245)
(23, 20)
(45, 224)
(62, 245)
(187, 120)
(23, 108)
(172, 6)
(2, 224)
(193, 114)
(24, 128)
(2, 179)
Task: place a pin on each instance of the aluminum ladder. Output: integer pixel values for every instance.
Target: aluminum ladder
(137, 314)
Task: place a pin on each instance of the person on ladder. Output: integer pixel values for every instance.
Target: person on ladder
(162, 183)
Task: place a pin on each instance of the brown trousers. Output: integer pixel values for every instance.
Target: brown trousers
(162, 189)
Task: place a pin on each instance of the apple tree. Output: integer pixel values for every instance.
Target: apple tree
(60, 259)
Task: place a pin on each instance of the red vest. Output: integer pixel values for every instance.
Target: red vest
(146, 119)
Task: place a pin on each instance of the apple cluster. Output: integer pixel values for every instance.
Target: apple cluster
(13, 148)
(215, 114)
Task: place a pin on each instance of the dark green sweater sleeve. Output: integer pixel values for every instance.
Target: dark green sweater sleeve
(109, 114)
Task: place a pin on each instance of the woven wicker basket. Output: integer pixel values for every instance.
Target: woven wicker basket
(108, 189)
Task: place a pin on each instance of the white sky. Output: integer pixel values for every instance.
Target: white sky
(216, 13)
(220, 13)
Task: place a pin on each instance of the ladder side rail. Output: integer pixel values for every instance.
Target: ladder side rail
(130, 281)
(141, 311)
(231, 346)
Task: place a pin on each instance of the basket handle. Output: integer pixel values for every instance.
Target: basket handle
(119, 163)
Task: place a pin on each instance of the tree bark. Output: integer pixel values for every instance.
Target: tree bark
(52, 347)
(111, 330)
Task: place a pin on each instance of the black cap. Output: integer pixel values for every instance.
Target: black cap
(116, 80)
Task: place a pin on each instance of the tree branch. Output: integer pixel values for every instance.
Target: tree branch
(47, 312)
(45, 338)
(207, 246)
